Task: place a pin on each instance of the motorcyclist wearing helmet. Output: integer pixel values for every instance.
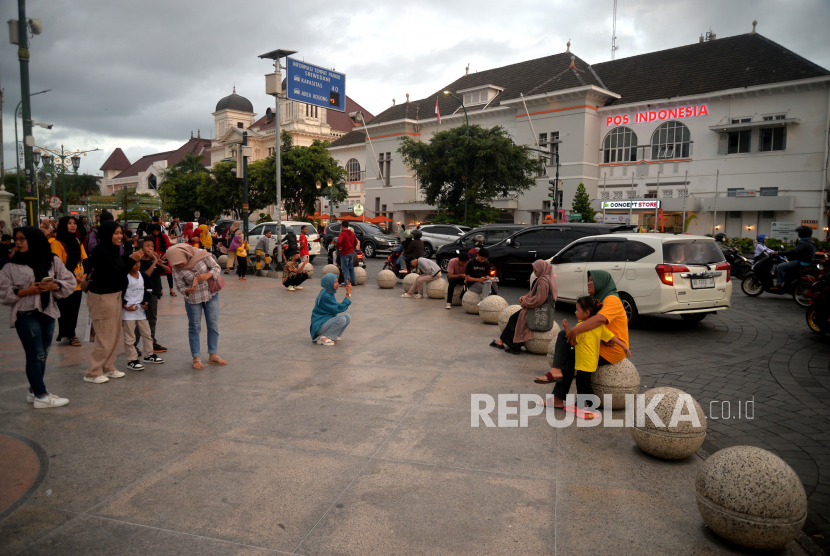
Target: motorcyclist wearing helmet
(415, 249)
(801, 255)
(719, 240)
(761, 247)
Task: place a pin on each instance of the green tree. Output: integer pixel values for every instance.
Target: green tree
(179, 193)
(139, 215)
(582, 205)
(192, 164)
(223, 193)
(496, 166)
(301, 168)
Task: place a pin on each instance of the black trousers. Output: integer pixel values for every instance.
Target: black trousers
(69, 307)
(510, 331)
(451, 288)
(564, 358)
(241, 266)
(170, 280)
(152, 317)
(298, 279)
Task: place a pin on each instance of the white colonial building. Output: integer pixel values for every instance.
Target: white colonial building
(734, 129)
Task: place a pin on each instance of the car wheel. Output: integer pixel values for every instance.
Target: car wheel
(812, 323)
(752, 286)
(427, 250)
(694, 317)
(630, 307)
(801, 294)
(369, 250)
(444, 263)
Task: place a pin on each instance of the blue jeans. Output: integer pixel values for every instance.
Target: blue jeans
(35, 331)
(347, 265)
(334, 327)
(784, 268)
(194, 317)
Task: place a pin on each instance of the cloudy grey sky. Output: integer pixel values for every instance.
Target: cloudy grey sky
(142, 75)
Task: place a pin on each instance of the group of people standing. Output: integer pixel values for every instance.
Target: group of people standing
(46, 273)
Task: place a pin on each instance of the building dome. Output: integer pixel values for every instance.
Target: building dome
(235, 102)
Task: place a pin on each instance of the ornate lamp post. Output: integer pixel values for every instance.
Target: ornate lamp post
(328, 194)
(59, 162)
(466, 170)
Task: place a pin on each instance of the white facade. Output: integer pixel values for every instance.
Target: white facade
(580, 118)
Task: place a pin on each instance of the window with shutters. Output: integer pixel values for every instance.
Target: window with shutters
(620, 146)
(632, 194)
(770, 214)
(769, 192)
(668, 193)
(733, 191)
(476, 98)
(353, 168)
(605, 195)
(671, 140)
(739, 141)
(618, 194)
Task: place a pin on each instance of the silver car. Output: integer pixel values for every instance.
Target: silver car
(436, 236)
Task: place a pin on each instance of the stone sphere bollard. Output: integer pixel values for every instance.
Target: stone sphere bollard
(386, 279)
(437, 289)
(222, 261)
(551, 352)
(470, 302)
(331, 269)
(408, 280)
(541, 341)
(505, 315)
(618, 380)
(666, 442)
(456, 295)
(491, 308)
(309, 270)
(360, 275)
(751, 497)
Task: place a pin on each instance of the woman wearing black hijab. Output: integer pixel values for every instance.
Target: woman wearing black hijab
(31, 284)
(107, 270)
(69, 250)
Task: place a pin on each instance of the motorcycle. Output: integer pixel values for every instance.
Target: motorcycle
(740, 264)
(392, 264)
(762, 278)
(818, 314)
(358, 261)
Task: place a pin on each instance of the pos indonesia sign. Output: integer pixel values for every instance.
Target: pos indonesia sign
(315, 85)
(660, 115)
(630, 205)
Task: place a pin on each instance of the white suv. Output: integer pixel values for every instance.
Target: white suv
(313, 239)
(655, 273)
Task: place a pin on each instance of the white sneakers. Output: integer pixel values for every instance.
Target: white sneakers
(114, 374)
(298, 287)
(449, 306)
(50, 400)
(291, 288)
(96, 380)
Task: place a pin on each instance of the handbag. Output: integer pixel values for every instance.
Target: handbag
(85, 284)
(215, 285)
(540, 319)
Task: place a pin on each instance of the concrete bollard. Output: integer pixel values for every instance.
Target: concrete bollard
(437, 289)
(618, 380)
(386, 279)
(491, 308)
(541, 340)
(505, 315)
(667, 442)
(360, 275)
(470, 302)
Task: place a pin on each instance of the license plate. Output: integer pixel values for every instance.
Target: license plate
(703, 283)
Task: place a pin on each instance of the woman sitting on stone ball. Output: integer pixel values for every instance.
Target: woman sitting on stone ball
(516, 333)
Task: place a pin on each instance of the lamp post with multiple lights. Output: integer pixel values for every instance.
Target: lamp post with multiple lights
(328, 194)
(466, 148)
(59, 162)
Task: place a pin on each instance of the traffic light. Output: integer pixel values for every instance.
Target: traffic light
(552, 189)
(242, 151)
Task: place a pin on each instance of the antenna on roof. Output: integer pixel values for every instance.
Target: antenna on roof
(614, 46)
(569, 46)
(467, 69)
(710, 36)
(754, 23)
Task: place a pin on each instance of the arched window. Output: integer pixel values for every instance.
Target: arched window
(620, 146)
(353, 167)
(670, 140)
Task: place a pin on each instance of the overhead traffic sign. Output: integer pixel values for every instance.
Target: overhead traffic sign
(358, 210)
(55, 202)
(315, 85)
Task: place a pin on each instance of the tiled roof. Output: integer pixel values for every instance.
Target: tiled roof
(357, 137)
(726, 63)
(116, 161)
(341, 120)
(194, 146)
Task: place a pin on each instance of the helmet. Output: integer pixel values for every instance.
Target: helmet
(761, 238)
(416, 234)
(478, 239)
(804, 231)
(720, 237)
(407, 234)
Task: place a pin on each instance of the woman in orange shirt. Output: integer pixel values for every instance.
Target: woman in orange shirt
(70, 251)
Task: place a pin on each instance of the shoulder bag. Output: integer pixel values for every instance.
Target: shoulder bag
(540, 319)
(85, 284)
(215, 285)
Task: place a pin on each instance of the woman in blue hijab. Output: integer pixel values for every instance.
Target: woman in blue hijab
(327, 323)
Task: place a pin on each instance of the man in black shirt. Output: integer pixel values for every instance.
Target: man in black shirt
(152, 266)
(477, 274)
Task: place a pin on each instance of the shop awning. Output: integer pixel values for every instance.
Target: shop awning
(725, 128)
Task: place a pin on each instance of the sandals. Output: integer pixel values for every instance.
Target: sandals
(74, 341)
(550, 379)
(216, 360)
(495, 345)
(173, 294)
(405, 295)
(323, 341)
(197, 363)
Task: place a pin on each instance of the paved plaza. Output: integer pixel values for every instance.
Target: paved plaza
(366, 448)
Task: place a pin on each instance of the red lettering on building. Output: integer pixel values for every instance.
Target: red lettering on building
(625, 119)
(608, 120)
(668, 114)
(703, 111)
(617, 120)
(652, 116)
(661, 115)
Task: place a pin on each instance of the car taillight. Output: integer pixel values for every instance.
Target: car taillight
(493, 272)
(666, 272)
(727, 267)
(316, 240)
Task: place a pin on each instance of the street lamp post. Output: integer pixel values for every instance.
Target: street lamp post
(19, 147)
(328, 194)
(466, 148)
(58, 162)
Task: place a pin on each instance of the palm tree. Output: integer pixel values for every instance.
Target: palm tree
(191, 164)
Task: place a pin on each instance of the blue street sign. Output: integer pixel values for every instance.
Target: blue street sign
(315, 85)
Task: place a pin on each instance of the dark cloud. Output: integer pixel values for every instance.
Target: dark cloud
(143, 75)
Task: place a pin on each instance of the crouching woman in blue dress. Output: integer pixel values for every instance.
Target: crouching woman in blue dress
(327, 324)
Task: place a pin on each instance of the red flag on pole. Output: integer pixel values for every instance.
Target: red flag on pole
(437, 112)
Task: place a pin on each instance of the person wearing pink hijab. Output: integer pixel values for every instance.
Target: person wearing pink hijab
(516, 333)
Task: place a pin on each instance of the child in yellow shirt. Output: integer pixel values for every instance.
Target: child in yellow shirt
(582, 358)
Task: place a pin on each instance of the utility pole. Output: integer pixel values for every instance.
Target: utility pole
(28, 142)
(2, 158)
(244, 159)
